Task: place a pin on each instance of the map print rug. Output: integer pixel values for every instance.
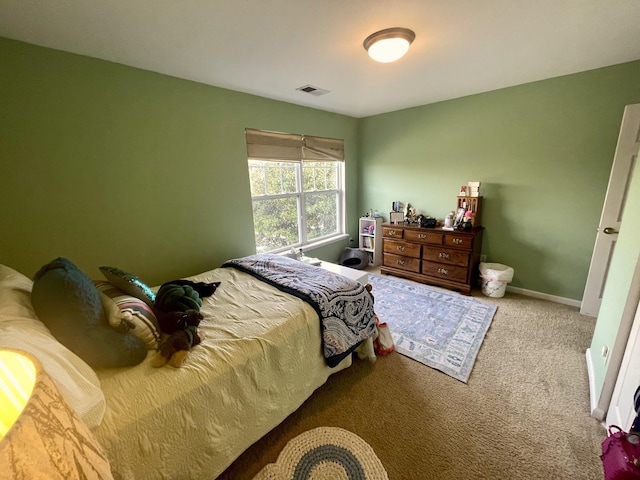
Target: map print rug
(438, 328)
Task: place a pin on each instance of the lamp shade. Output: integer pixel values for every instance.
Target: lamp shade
(389, 45)
(17, 378)
(41, 436)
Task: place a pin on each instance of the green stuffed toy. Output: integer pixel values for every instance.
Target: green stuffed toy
(178, 297)
(173, 297)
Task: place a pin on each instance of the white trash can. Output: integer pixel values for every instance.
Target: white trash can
(494, 278)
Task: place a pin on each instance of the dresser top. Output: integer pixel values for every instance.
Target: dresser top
(473, 231)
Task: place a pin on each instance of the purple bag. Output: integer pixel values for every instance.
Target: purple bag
(621, 455)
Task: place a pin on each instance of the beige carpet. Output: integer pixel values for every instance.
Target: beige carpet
(524, 413)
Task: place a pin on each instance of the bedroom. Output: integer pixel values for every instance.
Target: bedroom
(105, 160)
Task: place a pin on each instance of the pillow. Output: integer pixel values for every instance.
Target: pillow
(15, 294)
(129, 283)
(68, 303)
(20, 329)
(129, 314)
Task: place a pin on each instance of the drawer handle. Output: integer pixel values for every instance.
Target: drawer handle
(457, 241)
(392, 233)
(400, 248)
(400, 262)
(422, 235)
(446, 256)
(443, 271)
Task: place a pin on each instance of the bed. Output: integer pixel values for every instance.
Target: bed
(261, 357)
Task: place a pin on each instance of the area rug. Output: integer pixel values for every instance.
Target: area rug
(441, 329)
(325, 453)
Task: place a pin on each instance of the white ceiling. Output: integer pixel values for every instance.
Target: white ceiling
(271, 47)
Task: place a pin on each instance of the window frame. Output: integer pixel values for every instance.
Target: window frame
(301, 195)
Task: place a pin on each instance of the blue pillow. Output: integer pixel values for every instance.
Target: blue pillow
(65, 299)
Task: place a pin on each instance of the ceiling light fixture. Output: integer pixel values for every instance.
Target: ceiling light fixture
(389, 45)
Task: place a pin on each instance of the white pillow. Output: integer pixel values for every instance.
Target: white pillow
(20, 329)
(15, 294)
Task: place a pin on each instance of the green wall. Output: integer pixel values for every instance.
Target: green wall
(543, 152)
(112, 165)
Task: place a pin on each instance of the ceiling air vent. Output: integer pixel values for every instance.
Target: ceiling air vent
(310, 89)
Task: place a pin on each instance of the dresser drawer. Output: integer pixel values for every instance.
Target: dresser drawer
(403, 263)
(460, 241)
(433, 238)
(446, 255)
(441, 270)
(392, 232)
(402, 248)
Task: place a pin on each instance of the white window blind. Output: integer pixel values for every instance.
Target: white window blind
(262, 144)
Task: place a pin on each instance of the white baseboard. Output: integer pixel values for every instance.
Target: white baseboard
(545, 296)
(596, 412)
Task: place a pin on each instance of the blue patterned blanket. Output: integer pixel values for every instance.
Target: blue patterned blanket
(345, 307)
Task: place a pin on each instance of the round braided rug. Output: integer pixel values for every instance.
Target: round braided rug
(325, 453)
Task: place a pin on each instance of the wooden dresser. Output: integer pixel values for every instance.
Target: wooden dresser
(431, 255)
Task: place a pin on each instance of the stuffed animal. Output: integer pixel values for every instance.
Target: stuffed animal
(176, 297)
(177, 308)
(173, 349)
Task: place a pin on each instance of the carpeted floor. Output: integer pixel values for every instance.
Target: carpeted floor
(524, 413)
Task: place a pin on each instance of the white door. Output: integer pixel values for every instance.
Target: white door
(623, 163)
(621, 411)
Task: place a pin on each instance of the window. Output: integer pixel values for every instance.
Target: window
(296, 189)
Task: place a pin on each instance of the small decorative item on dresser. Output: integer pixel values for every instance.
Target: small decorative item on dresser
(410, 216)
(448, 221)
(426, 221)
(459, 218)
(398, 206)
(396, 217)
(473, 205)
(397, 213)
(466, 221)
(473, 189)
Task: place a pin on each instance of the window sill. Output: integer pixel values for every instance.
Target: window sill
(313, 245)
(327, 241)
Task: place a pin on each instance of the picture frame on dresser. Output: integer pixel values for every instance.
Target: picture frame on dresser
(396, 217)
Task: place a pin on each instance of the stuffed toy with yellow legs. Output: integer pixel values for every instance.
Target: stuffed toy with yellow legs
(174, 348)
